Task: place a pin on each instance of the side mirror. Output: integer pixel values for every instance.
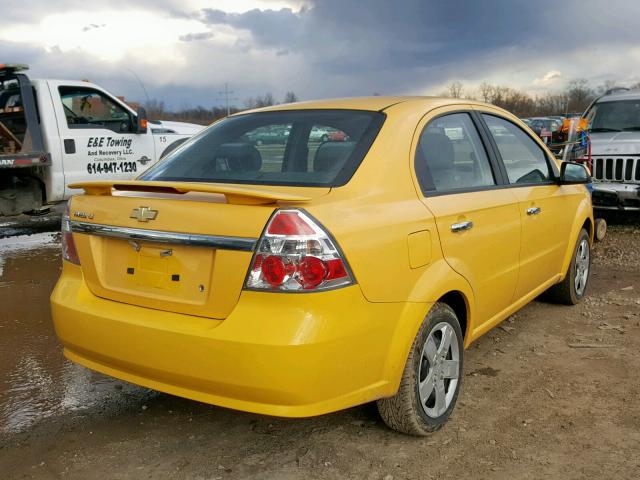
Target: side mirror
(140, 121)
(572, 173)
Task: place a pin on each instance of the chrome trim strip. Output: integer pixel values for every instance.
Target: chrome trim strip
(157, 236)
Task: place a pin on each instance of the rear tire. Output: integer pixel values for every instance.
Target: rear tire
(431, 378)
(572, 289)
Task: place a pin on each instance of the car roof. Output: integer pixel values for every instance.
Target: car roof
(374, 103)
(620, 95)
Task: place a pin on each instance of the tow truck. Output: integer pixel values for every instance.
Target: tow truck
(57, 132)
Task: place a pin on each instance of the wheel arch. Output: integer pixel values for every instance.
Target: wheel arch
(460, 306)
(583, 219)
(455, 291)
(588, 225)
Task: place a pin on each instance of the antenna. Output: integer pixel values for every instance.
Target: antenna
(226, 93)
(141, 84)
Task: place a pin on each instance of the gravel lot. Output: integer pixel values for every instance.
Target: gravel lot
(551, 393)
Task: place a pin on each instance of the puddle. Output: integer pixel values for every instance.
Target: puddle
(36, 381)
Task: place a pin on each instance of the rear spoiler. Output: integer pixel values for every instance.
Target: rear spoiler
(235, 194)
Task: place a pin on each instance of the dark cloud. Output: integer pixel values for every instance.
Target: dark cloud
(351, 47)
(269, 28)
(196, 37)
(401, 46)
(93, 26)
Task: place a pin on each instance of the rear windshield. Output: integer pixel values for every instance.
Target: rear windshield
(297, 147)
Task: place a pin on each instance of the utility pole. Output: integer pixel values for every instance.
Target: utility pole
(226, 93)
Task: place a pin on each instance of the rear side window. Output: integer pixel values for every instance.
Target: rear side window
(451, 156)
(522, 157)
(297, 147)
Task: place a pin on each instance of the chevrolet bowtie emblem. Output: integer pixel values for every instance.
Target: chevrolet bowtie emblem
(144, 214)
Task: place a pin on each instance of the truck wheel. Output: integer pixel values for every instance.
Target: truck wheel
(571, 290)
(601, 229)
(19, 195)
(431, 379)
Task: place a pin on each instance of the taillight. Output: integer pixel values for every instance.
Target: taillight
(296, 254)
(69, 251)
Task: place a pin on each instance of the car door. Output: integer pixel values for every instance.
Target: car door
(97, 135)
(477, 220)
(545, 209)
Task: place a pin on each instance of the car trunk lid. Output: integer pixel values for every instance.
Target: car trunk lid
(173, 246)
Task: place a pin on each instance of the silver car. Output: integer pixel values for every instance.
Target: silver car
(614, 125)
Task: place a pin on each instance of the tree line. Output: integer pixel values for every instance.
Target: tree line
(156, 109)
(575, 97)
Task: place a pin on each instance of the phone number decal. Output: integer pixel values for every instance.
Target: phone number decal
(112, 167)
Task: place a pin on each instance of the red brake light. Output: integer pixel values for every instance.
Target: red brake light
(69, 251)
(289, 223)
(312, 272)
(296, 254)
(273, 270)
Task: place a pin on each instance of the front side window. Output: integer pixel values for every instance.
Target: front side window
(87, 108)
(522, 157)
(450, 155)
(296, 147)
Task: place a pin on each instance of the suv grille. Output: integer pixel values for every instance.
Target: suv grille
(616, 169)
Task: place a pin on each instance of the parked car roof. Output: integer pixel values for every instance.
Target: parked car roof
(620, 95)
(375, 103)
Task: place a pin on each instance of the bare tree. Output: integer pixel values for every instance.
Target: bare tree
(290, 97)
(260, 101)
(454, 89)
(579, 94)
(154, 108)
(486, 92)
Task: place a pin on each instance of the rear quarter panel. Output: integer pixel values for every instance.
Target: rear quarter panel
(374, 218)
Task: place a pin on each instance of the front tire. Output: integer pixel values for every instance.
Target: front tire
(574, 286)
(431, 378)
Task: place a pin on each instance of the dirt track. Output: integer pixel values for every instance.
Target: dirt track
(551, 393)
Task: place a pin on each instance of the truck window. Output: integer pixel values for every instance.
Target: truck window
(14, 137)
(88, 108)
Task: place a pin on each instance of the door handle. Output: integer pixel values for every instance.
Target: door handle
(533, 210)
(461, 226)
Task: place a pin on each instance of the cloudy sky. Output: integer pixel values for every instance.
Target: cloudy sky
(185, 50)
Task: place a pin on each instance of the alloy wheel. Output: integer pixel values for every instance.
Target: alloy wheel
(582, 267)
(439, 370)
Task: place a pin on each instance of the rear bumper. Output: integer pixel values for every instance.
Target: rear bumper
(292, 355)
(616, 196)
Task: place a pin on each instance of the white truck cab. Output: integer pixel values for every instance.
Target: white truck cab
(57, 132)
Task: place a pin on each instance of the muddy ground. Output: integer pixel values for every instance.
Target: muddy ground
(554, 392)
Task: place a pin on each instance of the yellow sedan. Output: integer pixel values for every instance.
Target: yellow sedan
(297, 278)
